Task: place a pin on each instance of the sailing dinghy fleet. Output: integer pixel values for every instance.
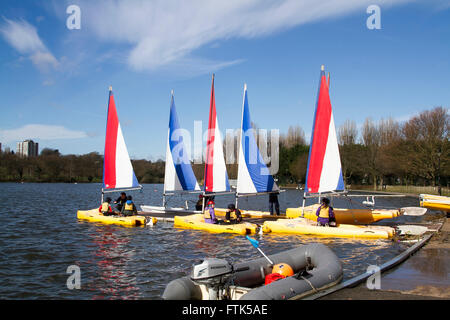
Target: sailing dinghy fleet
(324, 177)
(313, 266)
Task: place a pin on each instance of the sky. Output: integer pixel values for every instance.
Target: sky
(54, 80)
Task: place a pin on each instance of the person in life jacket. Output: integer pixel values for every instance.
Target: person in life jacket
(120, 201)
(129, 209)
(209, 214)
(325, 214)
(105, 207)
(199, 204)
(233, 215)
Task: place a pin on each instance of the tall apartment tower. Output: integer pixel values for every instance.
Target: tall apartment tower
(27, 148)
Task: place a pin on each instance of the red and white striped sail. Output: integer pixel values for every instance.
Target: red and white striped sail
(324, 173)
(216, 177)
(117, 169)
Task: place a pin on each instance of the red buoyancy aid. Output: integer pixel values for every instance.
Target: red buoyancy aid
(105, 207)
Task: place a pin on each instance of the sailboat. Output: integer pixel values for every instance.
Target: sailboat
(324, 170)
(179, 176)
(215, 182)
(254, 177)
(118, 173)
(324, 176)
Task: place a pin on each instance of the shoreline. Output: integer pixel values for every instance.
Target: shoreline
(284, 187)
(393, 287)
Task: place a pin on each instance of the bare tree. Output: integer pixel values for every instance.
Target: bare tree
(371, 139)
(427, 143)
(349, 150)
(295, 136)
(347, 133)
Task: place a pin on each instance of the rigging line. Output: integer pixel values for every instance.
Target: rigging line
(352, 207)
(309, 282)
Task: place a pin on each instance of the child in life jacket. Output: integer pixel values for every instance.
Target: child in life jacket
(129, 209)
(209, 214)
(233, 214)
(325, 214)
(105, 207)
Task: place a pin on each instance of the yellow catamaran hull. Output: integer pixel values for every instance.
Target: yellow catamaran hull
(307, 227)
(345, 216)
(197, 222)
(435, 202)
(95, 216)
(245, 213)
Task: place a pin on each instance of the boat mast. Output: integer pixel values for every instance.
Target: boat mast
(206, 160)
(104, 153)
(240, 143)
(168, 137)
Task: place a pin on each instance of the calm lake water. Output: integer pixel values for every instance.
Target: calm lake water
(40, 237)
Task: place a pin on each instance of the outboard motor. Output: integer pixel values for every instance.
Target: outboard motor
(213, 274)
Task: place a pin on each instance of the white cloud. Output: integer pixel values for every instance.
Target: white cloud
(163, 32)
(24, 38)
(40, 131)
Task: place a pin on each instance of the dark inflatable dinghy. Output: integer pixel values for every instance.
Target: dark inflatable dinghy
(315, 268)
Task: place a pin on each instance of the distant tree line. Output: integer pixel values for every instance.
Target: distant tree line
(414, 152)
(51, 166)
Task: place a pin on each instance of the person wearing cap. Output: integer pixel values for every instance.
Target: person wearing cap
(120, 201)
(325, 214)
(129, 209)
(105, 207)
(233, 215)
(209, 214)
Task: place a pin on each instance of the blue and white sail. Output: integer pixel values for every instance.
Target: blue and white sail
(179, 175)
(253, 174)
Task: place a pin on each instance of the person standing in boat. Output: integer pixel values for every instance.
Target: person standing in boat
(209, 215)
(199, 204)
(325, 214)
(129, 209)
(233, 215)
(105, 207)
(120, 201)
(273, 201)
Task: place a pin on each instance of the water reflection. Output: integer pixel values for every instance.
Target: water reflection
(112, 251)
(39, 242)
(434, 262)
(425, 268)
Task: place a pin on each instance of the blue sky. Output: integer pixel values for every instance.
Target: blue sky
(54, 81)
